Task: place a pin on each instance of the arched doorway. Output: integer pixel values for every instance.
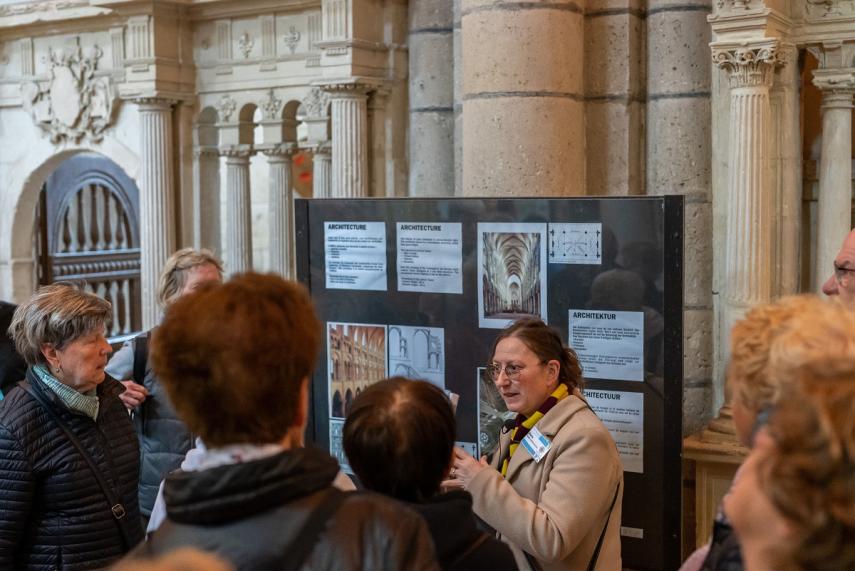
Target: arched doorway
(87, 231)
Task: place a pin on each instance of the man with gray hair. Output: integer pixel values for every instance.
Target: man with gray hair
(164, 438)
(842, 280)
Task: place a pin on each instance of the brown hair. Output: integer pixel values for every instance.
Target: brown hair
(545, 342)
(810, 472)
(233, 357)
(399, 437)
(56, 314)
(174, 273)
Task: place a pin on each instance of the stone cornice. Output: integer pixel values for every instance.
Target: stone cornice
(749, 64)
(199, 152)
(237, 151)
(154, 102)
(282, 151)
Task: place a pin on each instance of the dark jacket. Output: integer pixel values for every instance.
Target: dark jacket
(12, 366)
(164, 438)
(53, 513)
(459, 544)
(249, 514)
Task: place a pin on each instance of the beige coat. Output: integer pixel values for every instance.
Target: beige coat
(555, 509)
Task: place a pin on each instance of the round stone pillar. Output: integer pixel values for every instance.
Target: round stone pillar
(834, 207)
(349, 114)
(321, 171)
(157, 214)
(751, 212)
(431, 95)
(523, 100)
(281, 209)
(238, 252)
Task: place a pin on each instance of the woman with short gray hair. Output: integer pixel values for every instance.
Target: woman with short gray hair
(69, 457)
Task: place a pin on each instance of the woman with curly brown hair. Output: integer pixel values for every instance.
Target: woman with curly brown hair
(793, 505)
(553, 491)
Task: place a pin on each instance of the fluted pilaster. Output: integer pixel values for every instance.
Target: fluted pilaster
(834, 212)
(349, 113)
(321, 171)
(239, 216)
(750, 206)
(281, 209)
(157, 215)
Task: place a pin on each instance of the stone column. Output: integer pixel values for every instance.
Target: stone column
(431, 98)
(378, 160)
(206, 203)
(750, 205)
(157, 201)
(349, 113)
(834, 208)
(281, 209)
(238, 243)
(321, 171)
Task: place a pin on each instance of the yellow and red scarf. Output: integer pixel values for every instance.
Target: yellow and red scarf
(523, 424)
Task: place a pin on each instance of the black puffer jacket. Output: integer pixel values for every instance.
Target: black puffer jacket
(53, 514)
(250, 513)
(164, 438)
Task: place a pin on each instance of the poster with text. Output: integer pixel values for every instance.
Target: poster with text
(417, 353)
(430, 258)
(610, 344)
(511, 272)
(623, 414)
(356, 359)
(492, 414)
(355, 255)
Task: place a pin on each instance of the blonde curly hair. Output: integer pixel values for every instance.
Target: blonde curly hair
(174, 273)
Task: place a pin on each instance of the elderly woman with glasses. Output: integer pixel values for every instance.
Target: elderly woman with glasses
(68, 452)
(553, 490)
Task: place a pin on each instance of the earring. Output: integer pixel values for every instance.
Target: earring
(58, 370)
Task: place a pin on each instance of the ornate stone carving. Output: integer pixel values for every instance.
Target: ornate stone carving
(835, 80)
(749, 64)
(226, 107)
(316, 103)
(270, 106)
(281, 151)
(73, 103)
(238, 152)
(827, 4)
(30, 7)
(292, 38)
(245, 43)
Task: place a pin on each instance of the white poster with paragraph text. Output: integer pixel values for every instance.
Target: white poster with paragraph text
(355, 255)
(610, 344)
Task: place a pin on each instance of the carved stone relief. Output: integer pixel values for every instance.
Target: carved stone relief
(315, 103)
(292, 38)
(246, 43)
(72, 103)
(226, 107)
(30, 7)
(748, 64)
(270, 106)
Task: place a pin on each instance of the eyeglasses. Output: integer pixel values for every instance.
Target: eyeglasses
(512, 371)
(840, 272)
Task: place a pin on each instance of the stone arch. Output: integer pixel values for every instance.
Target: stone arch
(24, 187)
(290, 121)
(207, 133)
(348, 401)
(337, 406)
(248, 119)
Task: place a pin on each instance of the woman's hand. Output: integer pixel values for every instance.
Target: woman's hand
(463, 469)
(134, 394)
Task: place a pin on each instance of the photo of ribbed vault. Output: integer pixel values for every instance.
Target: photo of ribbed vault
(511, 276)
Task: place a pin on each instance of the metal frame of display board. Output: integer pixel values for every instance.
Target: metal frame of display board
(607, 258)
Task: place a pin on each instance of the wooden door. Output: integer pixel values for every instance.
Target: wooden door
(89, 234)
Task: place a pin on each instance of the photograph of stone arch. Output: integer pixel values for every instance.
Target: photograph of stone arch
(356, 359)
(417, 353)
(511, 272)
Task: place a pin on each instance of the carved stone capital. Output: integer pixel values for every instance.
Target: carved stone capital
(749, 64)
(348, 90)
(154, 103)
(316, 102)
(280, 152)
(835, 81)
(237, 153)
(206, 152)
(321, 150)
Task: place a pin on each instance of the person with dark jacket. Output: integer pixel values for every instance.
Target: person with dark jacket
(399, 440)
(12, 366)
(69, 458)
(235, 360)
(163, 437)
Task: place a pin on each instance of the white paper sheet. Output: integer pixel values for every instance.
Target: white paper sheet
(430, 257)
(355, 255)
(575, 243)
(610, 344)
(623, 414)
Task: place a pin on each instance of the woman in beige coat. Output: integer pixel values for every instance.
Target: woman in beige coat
(554, 488)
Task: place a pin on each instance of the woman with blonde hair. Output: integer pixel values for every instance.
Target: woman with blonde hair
(163, 436)
(69, 456)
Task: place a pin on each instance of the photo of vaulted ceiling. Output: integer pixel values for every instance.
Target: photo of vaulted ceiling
(511, 276)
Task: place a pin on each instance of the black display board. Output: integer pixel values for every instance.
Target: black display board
(639, 235)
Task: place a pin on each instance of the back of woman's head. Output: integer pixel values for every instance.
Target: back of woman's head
(810, 472)
(233, 357)
(399, 438)
(546, 343)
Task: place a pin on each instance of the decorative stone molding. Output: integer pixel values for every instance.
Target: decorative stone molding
(292, 38)
(245, 44)
(31, 7)
(270, 106)
(280, 151)
(835, 80)
(226, 107)
(237, 151)
(201, 152)
(316, 103)
(348, 89)
(73, 104)
(749, 64)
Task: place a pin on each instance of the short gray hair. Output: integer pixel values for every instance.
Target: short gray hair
(56, 314)
(174, 274)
